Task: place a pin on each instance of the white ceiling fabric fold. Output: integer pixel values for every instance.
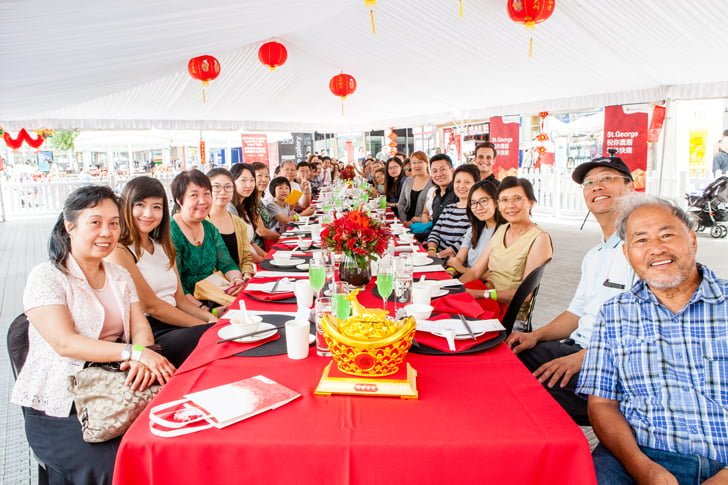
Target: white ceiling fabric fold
(122, 64)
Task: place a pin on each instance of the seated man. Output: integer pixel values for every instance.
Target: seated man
(656, 372)
(604, 274)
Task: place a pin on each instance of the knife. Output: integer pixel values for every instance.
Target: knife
(467, 326)
(263, 330)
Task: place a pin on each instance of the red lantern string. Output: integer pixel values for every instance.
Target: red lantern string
(272, 54)
(529, 13)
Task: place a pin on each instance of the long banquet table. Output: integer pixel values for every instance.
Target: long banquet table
(480, 418)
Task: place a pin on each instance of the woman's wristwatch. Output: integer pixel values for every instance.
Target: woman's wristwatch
(132, 352)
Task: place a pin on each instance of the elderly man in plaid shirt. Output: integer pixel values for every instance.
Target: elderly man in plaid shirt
(656, 370)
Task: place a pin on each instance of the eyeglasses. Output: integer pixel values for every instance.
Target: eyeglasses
(223, 188)
(601, 180)
(482, 203)
(516, 200)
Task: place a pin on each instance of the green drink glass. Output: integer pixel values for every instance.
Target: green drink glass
(317, 277)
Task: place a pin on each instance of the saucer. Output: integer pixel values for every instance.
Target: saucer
(287, 264)
(302, 266)
(227, 331)
(439, 293)
(424, 262)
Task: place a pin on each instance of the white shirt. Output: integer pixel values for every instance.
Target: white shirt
(605, 273)
(156, 271)
(43, 382)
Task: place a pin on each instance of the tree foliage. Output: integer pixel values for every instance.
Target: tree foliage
(64, 139)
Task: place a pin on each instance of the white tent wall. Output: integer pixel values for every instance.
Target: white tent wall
(122, 64)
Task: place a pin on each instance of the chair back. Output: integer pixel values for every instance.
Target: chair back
(528, 287)
(17, 342)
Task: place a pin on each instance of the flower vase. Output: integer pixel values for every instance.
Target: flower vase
(355, 270)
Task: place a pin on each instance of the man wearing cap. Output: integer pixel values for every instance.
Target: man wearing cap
(555, 352)
(656, 372)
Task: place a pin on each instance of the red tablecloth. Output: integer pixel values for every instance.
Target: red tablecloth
(480, 418)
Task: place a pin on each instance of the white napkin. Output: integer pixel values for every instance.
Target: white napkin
(279, 274)
(478, 326)
(284, 286)
(430, 268)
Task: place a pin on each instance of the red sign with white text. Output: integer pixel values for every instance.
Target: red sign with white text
(658, 119)
(627, 133)
(505, 138)
(255, 148)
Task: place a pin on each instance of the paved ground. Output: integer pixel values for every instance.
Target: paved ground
(23, 244)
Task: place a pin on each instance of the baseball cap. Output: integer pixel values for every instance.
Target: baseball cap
(615, 163)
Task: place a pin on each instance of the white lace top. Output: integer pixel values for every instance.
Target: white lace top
(43, 382)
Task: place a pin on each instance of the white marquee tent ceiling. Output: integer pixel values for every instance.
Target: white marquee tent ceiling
(122, 64)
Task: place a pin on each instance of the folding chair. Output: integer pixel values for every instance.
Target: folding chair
(17, 342)
(528, 287)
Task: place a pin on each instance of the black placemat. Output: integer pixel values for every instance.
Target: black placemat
(276, 347)
(266, 264)
(419, 348)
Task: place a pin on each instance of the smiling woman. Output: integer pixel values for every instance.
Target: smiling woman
(81, 309)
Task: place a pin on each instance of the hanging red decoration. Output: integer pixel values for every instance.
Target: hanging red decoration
(542, 137)
(543, 114)
(24, 136)
(541, 150)
(205, 69)
(272, 54)
(529, 13)
(392, 135)
(342, 85)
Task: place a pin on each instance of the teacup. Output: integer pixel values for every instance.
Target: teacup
(282, 257)
(305, 244)
(418, 311)
(420, 258)
(249, 326)
(407, 237)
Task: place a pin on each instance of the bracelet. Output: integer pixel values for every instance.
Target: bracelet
(136, 352)
(493, 295)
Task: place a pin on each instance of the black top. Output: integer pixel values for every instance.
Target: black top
(231, 242)
(440, 201)
(491, 178)
(414, 195)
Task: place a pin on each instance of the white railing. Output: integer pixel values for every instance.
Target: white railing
(21, 200)
(557, 194)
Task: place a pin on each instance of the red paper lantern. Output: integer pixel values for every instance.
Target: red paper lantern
(542, 137)
(392, 136)
(530, 12)
(342, 85)
(205, 69)
(393, 144)
(543, 114)
(541, 150)
(273, 54)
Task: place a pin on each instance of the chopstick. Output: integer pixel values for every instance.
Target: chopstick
(275, 327)
(467, 326)
(275, 285)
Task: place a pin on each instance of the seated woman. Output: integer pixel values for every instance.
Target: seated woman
(200, 249)
(145, 250)
(262, 179)
(414, 188)
(379, 181)
(246, 204)
(393, 182)
(81, 309)
(516, 248)
(278, 208)
(482, 211)
(447, 235)
(233, 229)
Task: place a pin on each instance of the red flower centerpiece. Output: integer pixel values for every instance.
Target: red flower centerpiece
(348, 173)
(361, 239)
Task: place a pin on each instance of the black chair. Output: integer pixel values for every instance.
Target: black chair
(17, 342)
(528, 287)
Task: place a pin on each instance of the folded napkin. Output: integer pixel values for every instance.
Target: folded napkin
(440, 343)
(430, 268)
(263, 296)
(461, 303)
(283, 285)
(280, 274)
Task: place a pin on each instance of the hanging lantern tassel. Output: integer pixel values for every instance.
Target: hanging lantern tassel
(461, 8)
(204, 88)
(371, 4)
(530, 26)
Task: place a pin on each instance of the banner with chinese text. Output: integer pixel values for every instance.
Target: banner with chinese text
(627, 133)
(255, 148)
(505, 138)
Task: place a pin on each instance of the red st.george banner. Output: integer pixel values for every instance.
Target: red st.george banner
(505, 138)
(255, 148)
(627, 133)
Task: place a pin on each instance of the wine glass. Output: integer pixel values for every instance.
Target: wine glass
(385, 279)
(317, 274)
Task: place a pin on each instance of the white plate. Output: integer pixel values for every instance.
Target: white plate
(299, 230)
(424, 262)
(302, 267)
(439, 293)
(227, 331)
(287, 264)
(455, 324)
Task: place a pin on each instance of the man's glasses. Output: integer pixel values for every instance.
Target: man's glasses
(601, 180)
(223, 188)
(482, 203)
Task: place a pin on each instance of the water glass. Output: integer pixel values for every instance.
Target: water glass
(403, 283)
(323, 307)
(340, 306)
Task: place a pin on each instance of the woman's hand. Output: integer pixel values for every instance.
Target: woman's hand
(235, 288)
(157, 365)
(446, 253)
(139, 376)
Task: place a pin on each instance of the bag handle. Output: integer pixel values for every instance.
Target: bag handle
(175, 428)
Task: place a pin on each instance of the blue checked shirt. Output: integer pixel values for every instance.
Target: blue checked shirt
(669, 371)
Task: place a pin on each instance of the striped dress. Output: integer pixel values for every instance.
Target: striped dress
(450, 228)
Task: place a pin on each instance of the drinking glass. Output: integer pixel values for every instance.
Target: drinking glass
(339, 304)
(385, 279)
(403, 283)
(322, 307)
(317, 273)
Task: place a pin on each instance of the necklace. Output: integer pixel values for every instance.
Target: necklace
(197, 241)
